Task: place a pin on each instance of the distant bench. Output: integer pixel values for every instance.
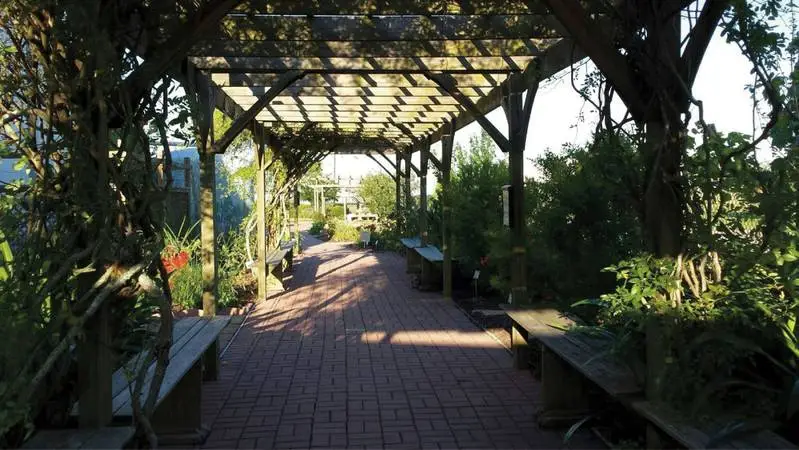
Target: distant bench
(568, 359)
(193, 357)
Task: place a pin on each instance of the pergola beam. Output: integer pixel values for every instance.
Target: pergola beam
(245, 119)
(557, 58)
(357, 7)
(367, 91)
(404, 27)
(457, 64)
(255, 80)
(449, 85)
(381, 166)
(369, 48)
(594, 40)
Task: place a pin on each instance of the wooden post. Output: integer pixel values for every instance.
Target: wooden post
(398, 189)
(424, 149)
(512, 103)
(408, 199)
(260, 200)
(95, 368)
(447, 141)
(297, 238)
(208, 231)
(323, 201)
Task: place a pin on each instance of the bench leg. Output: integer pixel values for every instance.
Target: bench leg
(425, 275)
(178, 419)
(211, 362)
(563, 389)
(290, 260)
(274, 279)
(412, 261)
(521, 349)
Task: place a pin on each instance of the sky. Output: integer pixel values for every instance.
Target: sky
(721, 84)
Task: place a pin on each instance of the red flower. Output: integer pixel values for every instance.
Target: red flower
(484, 261)
(175, 262)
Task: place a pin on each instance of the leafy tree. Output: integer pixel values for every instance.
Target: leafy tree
(476, 190)
(378, 192)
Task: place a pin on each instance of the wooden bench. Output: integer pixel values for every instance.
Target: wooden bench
(107, 437)
(274, 266)
(193, 357)
(413, 263)
(431, 260)
(289, 247)
(569, 359)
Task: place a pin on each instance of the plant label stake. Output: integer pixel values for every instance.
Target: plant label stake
(475, 277)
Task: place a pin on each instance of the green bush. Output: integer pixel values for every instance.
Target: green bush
(187, 286)
(334, 212)
(317, 227)
(341, 231)
(306, 211)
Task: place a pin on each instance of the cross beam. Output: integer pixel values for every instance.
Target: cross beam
(448, 84)
(241, 122)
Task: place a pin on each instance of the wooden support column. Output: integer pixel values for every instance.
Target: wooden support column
(95, 368)
(260, 207)
(398, 189)
(424, 150)
(208, 231)
(408, 197)
(297, 237)
(517, 112)
(447, 142)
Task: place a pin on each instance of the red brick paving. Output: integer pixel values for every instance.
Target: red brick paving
(352, 356)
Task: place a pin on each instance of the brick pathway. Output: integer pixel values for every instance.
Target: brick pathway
(352, 356)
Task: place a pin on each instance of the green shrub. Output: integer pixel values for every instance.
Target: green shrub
(317, 227)
(187, 286)
(341, 231)
(334, 212)
(306, 211)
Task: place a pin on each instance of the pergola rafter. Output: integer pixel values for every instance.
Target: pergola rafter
(369, 63)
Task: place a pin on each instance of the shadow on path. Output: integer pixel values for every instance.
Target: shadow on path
(351, 356)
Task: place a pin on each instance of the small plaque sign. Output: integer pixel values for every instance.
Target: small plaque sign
(506, 205)
(476, 275)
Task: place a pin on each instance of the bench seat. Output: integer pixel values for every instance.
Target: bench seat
(569, 358)
(84, 438)
(692, 436)
(191, 360)
(430, 253)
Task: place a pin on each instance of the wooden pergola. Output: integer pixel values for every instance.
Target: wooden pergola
(383, 77)
(392, 76)
(395, 76)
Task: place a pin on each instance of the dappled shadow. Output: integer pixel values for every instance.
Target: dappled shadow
(353, 356)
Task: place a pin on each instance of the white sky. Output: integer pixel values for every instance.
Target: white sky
(720, 84)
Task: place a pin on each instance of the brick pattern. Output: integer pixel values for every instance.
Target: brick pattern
(351, 356)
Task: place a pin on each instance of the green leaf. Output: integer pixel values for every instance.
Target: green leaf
(574, 428)
(738, 429)
(740, 343)
(590, 301)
